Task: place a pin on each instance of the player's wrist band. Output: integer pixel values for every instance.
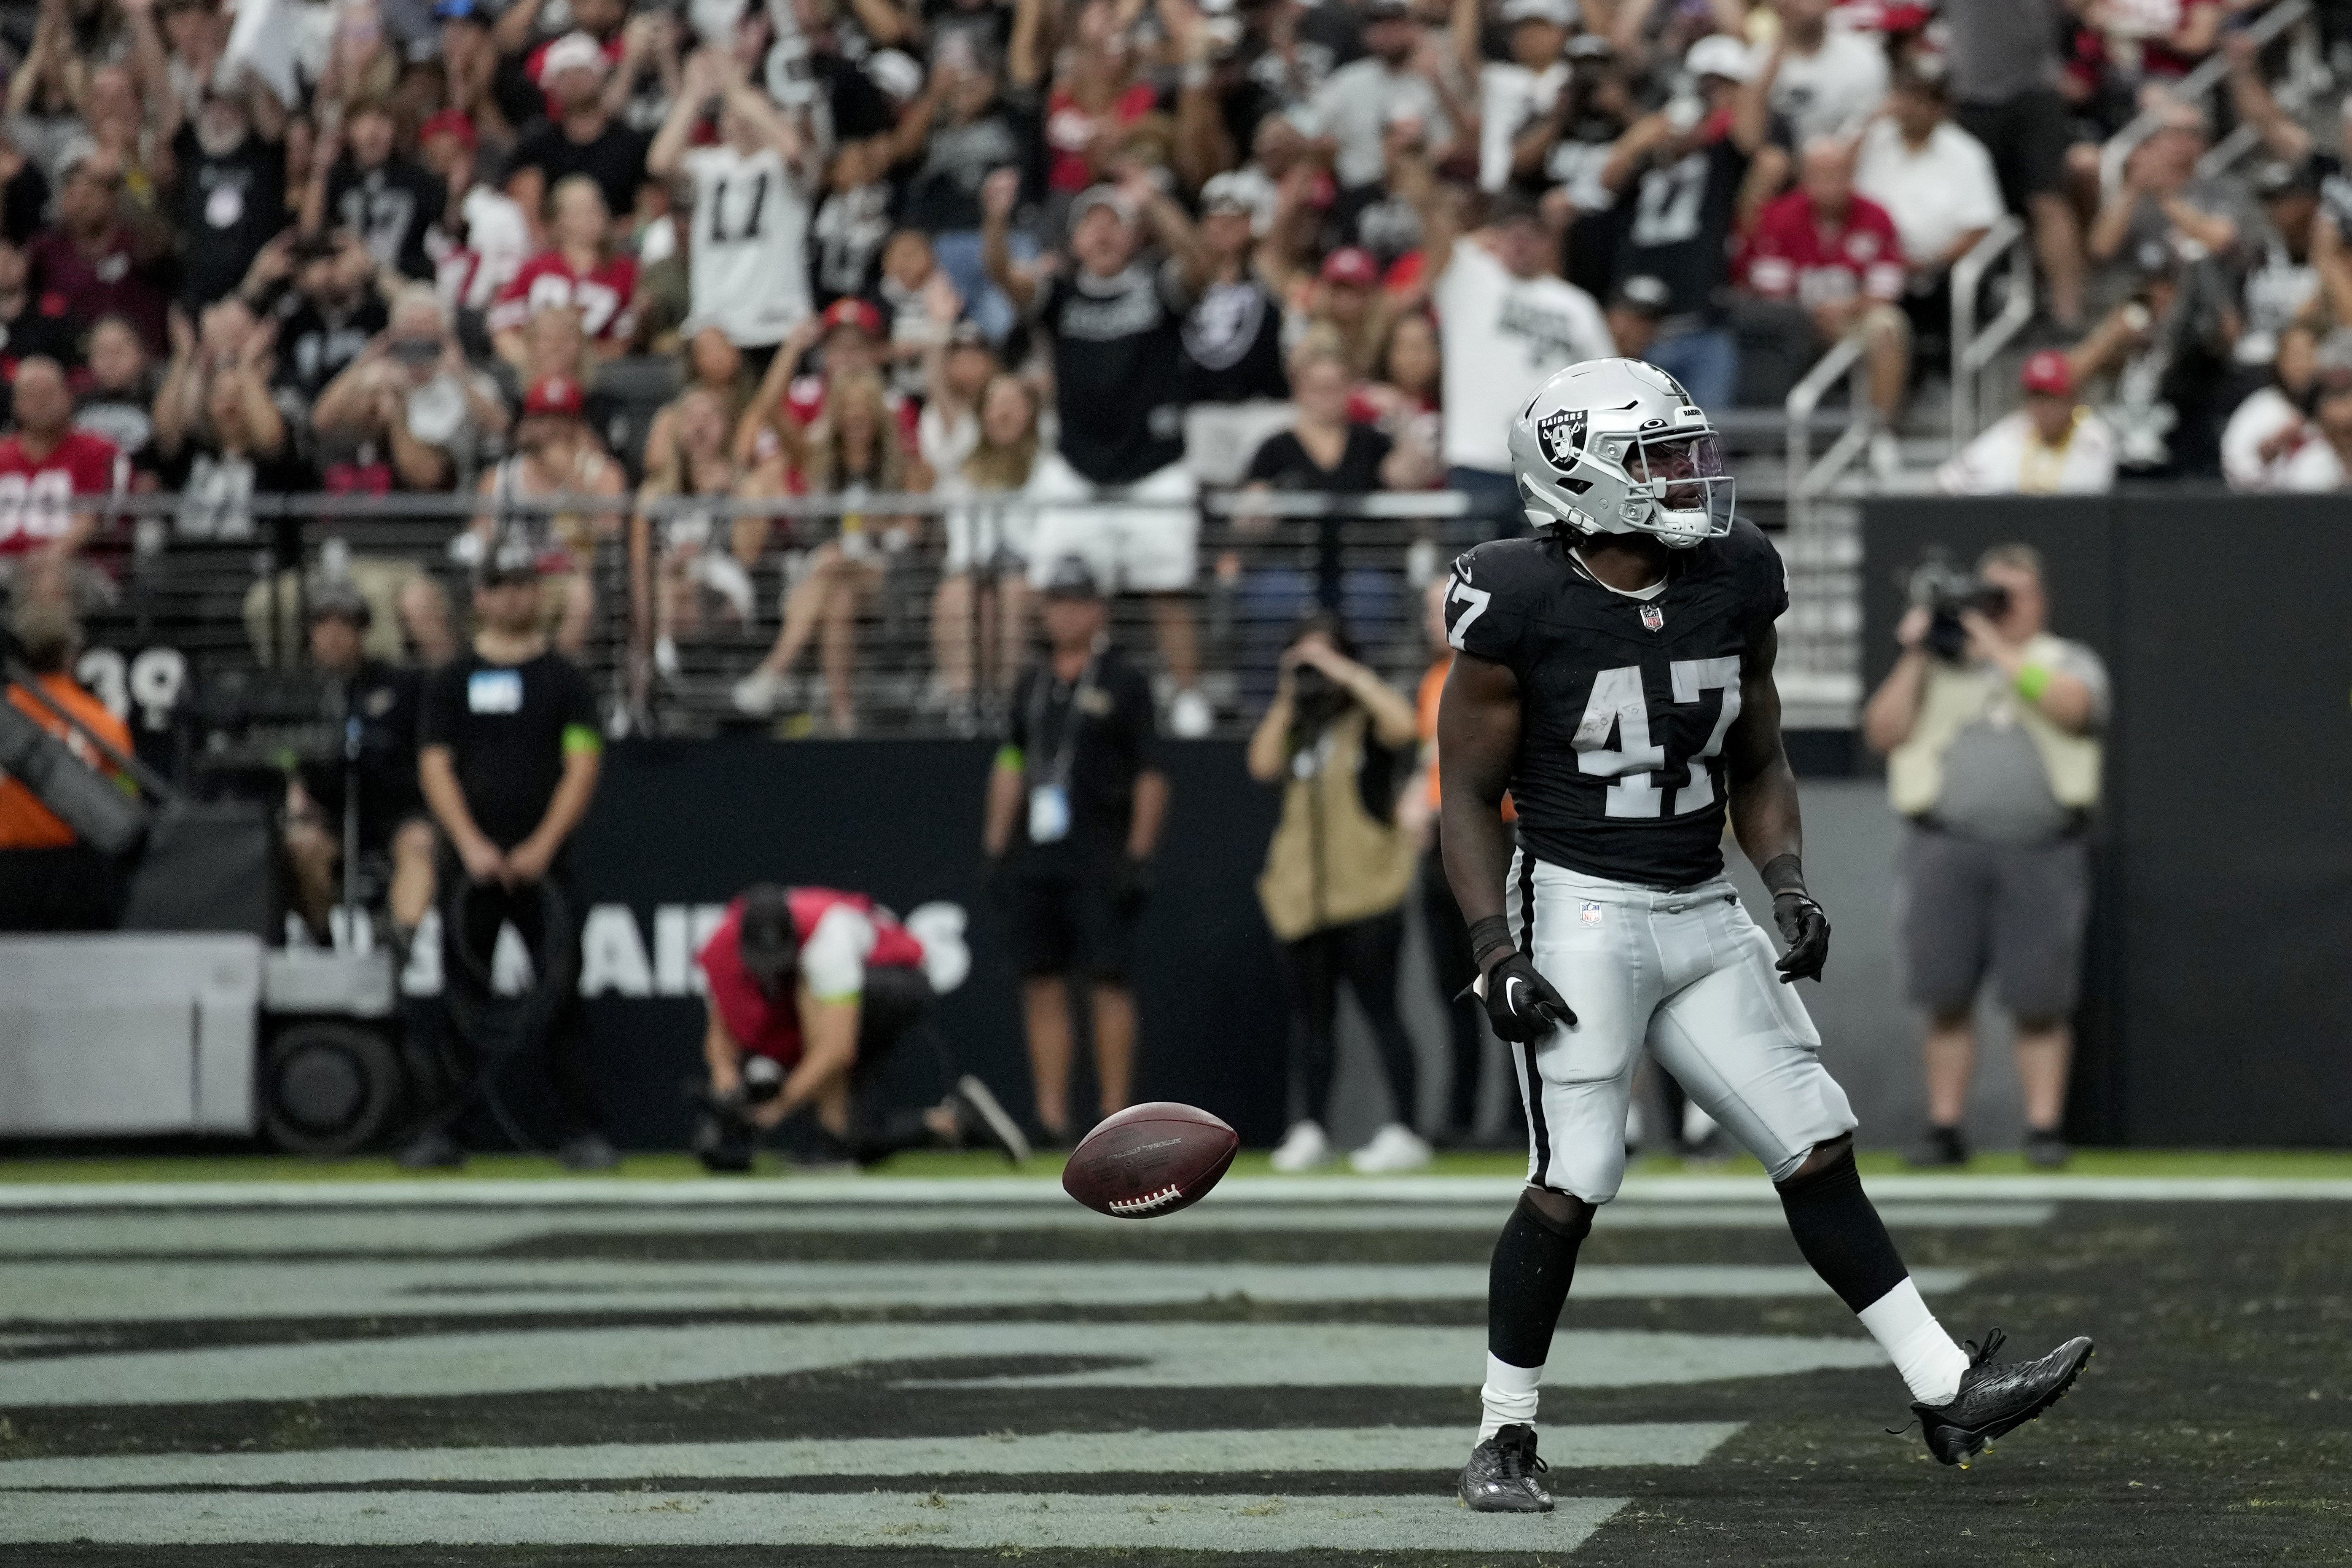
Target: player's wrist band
(1783, 874)
(1490, 938)
(2034, 679)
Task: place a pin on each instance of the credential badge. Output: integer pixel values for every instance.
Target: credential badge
(1653, 618)
(1561, 436)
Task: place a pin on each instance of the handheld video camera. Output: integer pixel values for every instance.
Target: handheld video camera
(1949, 592)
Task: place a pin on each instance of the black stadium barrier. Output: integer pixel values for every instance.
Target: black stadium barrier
(2219, 1005)
(684, 824)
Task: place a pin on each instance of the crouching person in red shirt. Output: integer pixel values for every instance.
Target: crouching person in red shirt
(809, 992)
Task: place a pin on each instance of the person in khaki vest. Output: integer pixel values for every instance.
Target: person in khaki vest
(1340, 744)
(1995, 761)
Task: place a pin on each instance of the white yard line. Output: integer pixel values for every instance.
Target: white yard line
(1128, 1356)
(1217, 1524)
(1289, 1450)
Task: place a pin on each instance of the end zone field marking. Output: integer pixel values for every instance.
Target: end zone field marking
(1217, 1524)
(47, 1292)
(1142, 1355)
(278, 1233)
(1323, 1449)
(888, 1192)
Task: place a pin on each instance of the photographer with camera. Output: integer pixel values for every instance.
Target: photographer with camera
(810, 990)
(1989, 726)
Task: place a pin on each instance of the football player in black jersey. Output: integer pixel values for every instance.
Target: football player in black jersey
(1615, 676)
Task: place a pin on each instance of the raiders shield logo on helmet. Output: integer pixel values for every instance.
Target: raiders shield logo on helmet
(1562, 437)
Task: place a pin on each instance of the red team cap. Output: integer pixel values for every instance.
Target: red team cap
(553, 394)
(448, 122)
(1352, 266)
(2048, 372)
(851, 311)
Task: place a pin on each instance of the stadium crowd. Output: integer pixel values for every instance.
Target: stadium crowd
(1062, 265)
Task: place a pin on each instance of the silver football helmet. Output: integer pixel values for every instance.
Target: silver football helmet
(1616, 446)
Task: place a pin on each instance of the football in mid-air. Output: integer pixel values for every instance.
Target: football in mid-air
(1149, 1160)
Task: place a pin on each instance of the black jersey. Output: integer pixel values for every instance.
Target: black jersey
(1623, 702)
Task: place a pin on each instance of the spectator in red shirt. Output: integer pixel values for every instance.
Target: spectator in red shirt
(1833, 259)
(578, 272)
(46, 467)
(817, 988)
(92, 261)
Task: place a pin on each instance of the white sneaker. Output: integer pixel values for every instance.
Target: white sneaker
(1190, 717)
(1394, 1147)
(758, 692)
(1885, 455)
(1304, 1147)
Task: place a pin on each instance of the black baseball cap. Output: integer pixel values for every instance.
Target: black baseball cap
(765, 938)
(338, 600)
(1645, 293)
(1072, 578)
(2278, 177)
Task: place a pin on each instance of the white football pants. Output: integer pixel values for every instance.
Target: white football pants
(1688, 974)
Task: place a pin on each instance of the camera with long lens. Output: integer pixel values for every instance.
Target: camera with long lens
(1948, 591)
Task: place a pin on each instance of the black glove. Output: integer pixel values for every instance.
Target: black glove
(1521, 1003)
(1130, 886)
(1806, 930)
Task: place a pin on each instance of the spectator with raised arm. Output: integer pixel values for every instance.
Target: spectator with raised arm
(361, 181)
(2164, 200)
(581, 136)
(1116, 321)
(412, 402)
(1510, 322)
(747, 264)
(1687, 171)
(95, 261)
(229, 198)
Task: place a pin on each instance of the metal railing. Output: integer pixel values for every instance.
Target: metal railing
(673, 601)
(2193, 88)
(2304, 77)
(1973, 352)
(1808, 476)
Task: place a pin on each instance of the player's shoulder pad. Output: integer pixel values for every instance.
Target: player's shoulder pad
(1755, 564)
(1498, 592)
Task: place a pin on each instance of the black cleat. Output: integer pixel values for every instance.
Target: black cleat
(1501, 1475)
(1995, 1401)
(1942, 1148)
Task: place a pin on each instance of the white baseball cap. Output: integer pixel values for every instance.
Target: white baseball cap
(1559, 12)
(573, 51)
(1719, 54)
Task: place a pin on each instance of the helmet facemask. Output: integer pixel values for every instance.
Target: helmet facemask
(1680, 475)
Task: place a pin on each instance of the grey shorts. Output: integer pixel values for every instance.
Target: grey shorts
(2013, 911)
(1686, 975)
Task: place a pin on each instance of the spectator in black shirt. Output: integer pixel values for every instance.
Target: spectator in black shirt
(1329, 453)
(1116, 319)
(1235, 388)
(326, 319)
(29, 326)
(231, 195)
(584, 139)
(374, 190)
(395, 836)
(510, 751)
(1682, 170)
(118, 403)
(1075, 807)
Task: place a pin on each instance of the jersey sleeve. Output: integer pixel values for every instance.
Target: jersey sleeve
(437, 705)
(1486, 607)
(1763, 576)
(832, 958)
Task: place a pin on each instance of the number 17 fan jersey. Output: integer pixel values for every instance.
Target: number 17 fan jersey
(1623, 702)
(747, 262)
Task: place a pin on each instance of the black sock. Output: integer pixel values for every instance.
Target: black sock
(1841, 1233)
(1527, 1284)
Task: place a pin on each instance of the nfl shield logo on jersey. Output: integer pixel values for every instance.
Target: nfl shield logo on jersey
(1653, 618)
(1561, 435)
